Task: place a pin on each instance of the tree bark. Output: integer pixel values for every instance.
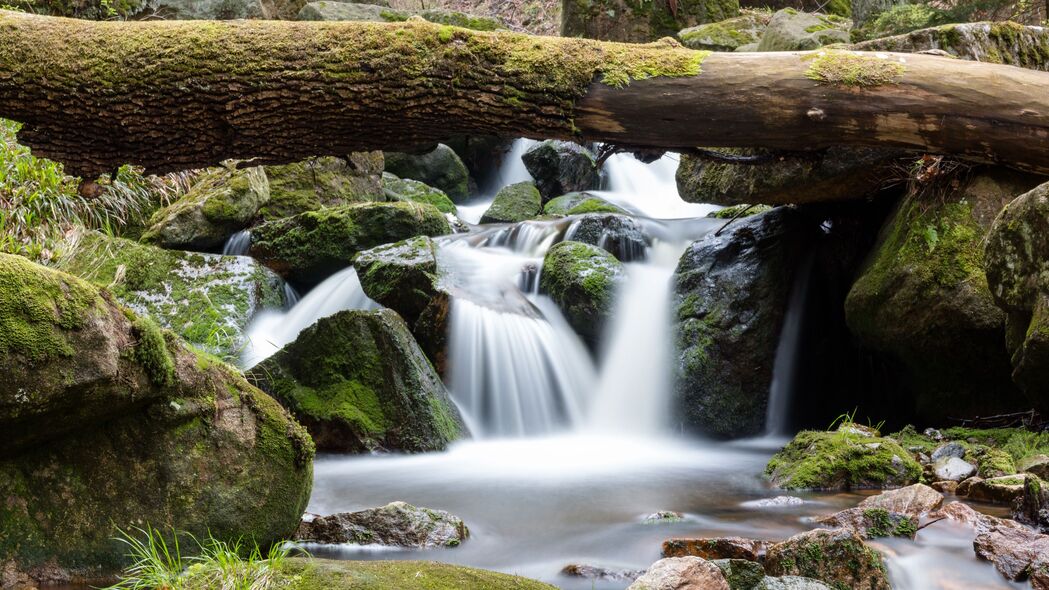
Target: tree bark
(170, 95)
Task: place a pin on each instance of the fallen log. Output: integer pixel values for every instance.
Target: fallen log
(171, 95)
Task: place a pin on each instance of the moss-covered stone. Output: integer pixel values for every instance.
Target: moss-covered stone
(313, 245)
(359, 382)
(739, 211)
(790, 30)
(514, 203)
(407, 190)
(727, 35)
(580, 204)
(837, 557)
(639, 21)
(582, 280)
(401, 276)
(561, 167)
(741, 574)
(206, 299)
(440, 168)
(334, 10)
(1004, 43)
(922, 300)
(220, 202)
(318, 574)
(323, 182)
(841, 460)
(148, 434)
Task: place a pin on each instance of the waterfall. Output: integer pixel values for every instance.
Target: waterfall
(272, 329)
(512, 170)
(785, 365)
(238, 244)
(648, 190)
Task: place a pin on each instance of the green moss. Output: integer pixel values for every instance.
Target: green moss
(882, 524)
(839, 460)
(514, 203)
(579, 204)
(852, 69)
(151, 351)
(741, 210)
(405, 189)
(316, 574)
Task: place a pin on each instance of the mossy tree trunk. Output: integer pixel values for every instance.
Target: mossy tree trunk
(172, 95)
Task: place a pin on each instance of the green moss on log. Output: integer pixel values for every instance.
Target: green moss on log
(852, 69)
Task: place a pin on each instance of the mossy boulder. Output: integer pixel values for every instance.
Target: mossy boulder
(621, 235)
(923, 305)
(207, 299)
(220, 202)
(318, 574)
(865, 11)
(726, 35)
(514, 203)
(579, 204)
(311, 246)
(842, 460)
(790, 30)
(837, 557)
(730, 296)
(402, 276)
(440, 168)
(738, 211)
(323, 182)
(408, 190)
(327, 10)
(1017, 264)
(741, 574)
(560, 167)
(359, 382)
(582, 280)
(639, 21)
(150, 433)
(397, 524)
(996, 42)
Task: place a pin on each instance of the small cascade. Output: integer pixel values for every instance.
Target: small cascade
(648, 190)
(238, 244)
(272, 329)
(511, 171)
(785, 366)
(291, 297)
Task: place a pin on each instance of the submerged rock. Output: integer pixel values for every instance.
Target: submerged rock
(398, 524)
(582, 280)
(621, 235)
(837, 461)
(311, 246)
(440, 168)
(996, 42)
(323, 182)
(837, 557)
(405, 189)
(790, 30)
(220, 202)
(580, 203)
(619, 20)
(681, 573)
(592, 572)
(715, 548)
(726, 35)
(561, 167)
(777, 502)
(207, 299)
(514, 203)
(663, 517)
(106, 416)
(358, 382)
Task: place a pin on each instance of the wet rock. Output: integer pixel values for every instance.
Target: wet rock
(997, 42)
(582, 280)
(837, 557)
(618, 20)
(311, 246)
(945, 487)
(923, 305)
(999, 490)
(953, 469)
(405, 189)
(715, 548)
(830, 460)
(440, 168)
(397, 524)
(1036, 464)
(514, 203)
(561, 167)
(966, 485)
(726, 35)
(592, 572)
(730, 297)
(401, 276)
(872, 523)
(207, 299)
(740, 574)
(790, 30)
(947, 451)
(913, 500)
(111, 390)
(738, 211)
(777, 502)
(359, 382)
(1032, 507)
(663, 517)
(327, 10)
(790, 583)
(323, 182)
(1016, 552)
(622, 236)
(580, 203)
(221, 202)
(966, 515)
(681, 573)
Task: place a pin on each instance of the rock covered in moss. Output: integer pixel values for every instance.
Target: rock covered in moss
(582, 280)
(839, 460)
(639, 22)
(358, 382)
(1032, 508)
(329, 10)
(738, 211)
(579, 204)
(313, 245)
(624, 237)
(681, 573)
(1036, 465)
(560, 167)
(790, 30)
(730, 296)
(995, 42)
(397, 524)
(837, 557)
(741, 574)
(872, 522)
(514, 203)
(401, 276)
(404, 190)
(323, 182)
(220, 203)
(440, 168)
(153, 433)
(313, 574)
(207, 299)
(726, 35)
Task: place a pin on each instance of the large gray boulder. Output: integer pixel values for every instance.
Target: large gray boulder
(560, 167)
(790, 30)
(623, 20)
(726, 35)
(323, 182)
(328, 10)
(440, 168)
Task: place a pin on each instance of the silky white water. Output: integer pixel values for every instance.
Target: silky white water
(512, 171)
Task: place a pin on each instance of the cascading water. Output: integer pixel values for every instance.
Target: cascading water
(510, 172)
(238, 244)
(784, 369)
